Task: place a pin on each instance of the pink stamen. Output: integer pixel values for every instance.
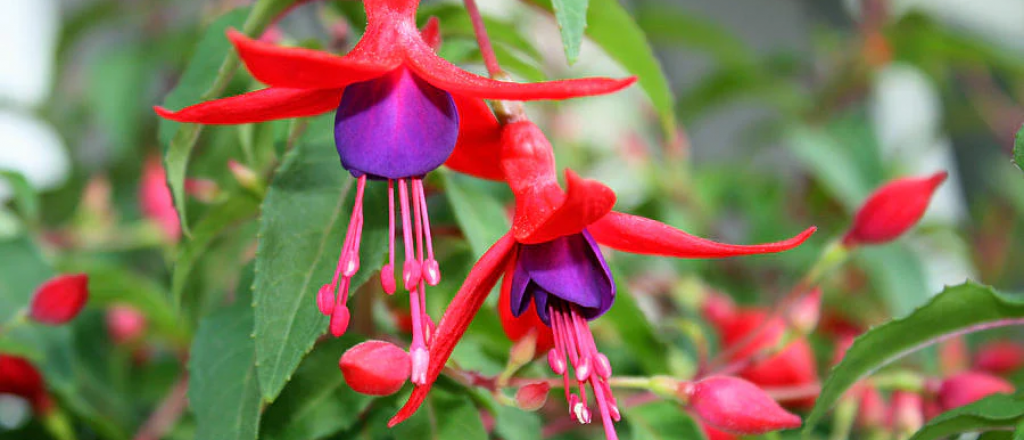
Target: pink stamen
(411, 268)
(387, 273)
(336, 306)
(431, 270)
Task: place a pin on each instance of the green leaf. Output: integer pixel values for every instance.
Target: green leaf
(480, 216)
(1018, 149)
(571, 16)
(663, 24)
(612, 28)
(960, 309)
(897, 274)
(220, 218)
(317, 403)
(515, 424)
(22, 269)
(641, 339)
(207, 75)
(995, 411)
(223, 390)
(445, 415)
(24, 195)
(302, 228)
(662, 420)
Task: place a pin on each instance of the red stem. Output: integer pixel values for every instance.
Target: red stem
(486, 50)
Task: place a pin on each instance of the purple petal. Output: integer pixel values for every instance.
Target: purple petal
(395, 126)
(570, 268)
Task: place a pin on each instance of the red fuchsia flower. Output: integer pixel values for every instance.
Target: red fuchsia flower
(400, 112)
(155, 200)
(968, 387)
(376, 368)
(59, 299)
(735, 405)
(893, 209)
(125, 324)
(999, 357)
(20, 378)
(553, 267)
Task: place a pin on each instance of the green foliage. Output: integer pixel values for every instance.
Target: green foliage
(445, 415)
(1018, 148)
(998, 411)
(661, 421)
(571, 16)
(479, 215)
(958, 309)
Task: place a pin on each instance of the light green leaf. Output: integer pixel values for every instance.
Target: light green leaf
(897, 275)
(24, 195)
(663, 420)
(481, 218)
(612, 28)
(1018, 148)
(443, 416)
(223, 390)
(317, 403)
(571, 16)
(208, 73)
(302, 227)
(995, 411)
(960, 309)
(515, 424)
(22, 269)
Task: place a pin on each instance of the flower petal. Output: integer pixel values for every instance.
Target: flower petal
(458, 316)
(445, 75)
(585, 202)
(641, 235)
(431, 33)
(300, 68)
(478, 150)
(258, 106)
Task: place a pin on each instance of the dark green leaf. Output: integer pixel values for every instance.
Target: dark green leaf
(959, 309)
(662, 420)
(571, 16)
(302, 228)
(24, 195)
(515, 424)
(317, 402)
(481, 218)
(612, 28)
(223, 390)
(1018, 148)
(22, 269)
(443, 416)
(996, 411)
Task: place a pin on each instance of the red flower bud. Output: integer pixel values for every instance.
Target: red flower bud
(714, 434)
(125, 324)
(718, 309)
(964, 388)
(907, 414)
(892, 209)
(19, 377)
(871, 410)
(999, 357)
(804, 315)
(532, 396)
(735, 405)
(60, 299)
(376, 368)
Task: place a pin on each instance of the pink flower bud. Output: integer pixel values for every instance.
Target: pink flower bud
(964, 388)
(244, 175)
(735, 405)
(125, 324)
(155, 200)
(871, 410)
(714, 434)
(376, 368)
(60, 299)
(532, 397)
(804, 315)
(718, 309)
(893, 209)
(999, 357)
(20, 378)
(907, 412)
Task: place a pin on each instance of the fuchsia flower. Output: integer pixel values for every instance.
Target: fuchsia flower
(59, 299)
(20, 378)
(552, 265)
(893, 209)
(735, 405)
(999, 357)
(400, 112)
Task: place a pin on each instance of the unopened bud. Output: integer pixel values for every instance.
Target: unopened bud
(60, 299)
(892, 209)
(523, 350)
(376, 368)
(125, 324)
(999, 357)
(532, 397)
(964, 388)
(718, 309)
(735, 405)
(871, 409)
(803, 316)
(907, 414)
(155, 200)
(245, 176)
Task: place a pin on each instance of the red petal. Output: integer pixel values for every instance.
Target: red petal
(641, 235)
(478, 150)
(258, 106)
(389, 11)
(300, 68)
(457, 318)
(431, 33)
(446, 76)
(585, 202)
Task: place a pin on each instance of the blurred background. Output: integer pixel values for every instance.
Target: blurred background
(787, 114)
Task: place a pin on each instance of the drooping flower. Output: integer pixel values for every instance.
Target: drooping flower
(893, 209)
(20, 378)
(400, 112)
(553, 268)
(59, 299)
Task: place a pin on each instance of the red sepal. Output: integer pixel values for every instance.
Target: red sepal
(457, 318)
(585, 201)
(300, 68)
(257, 106)
(431, 33)
(640, 235)
(478, 150)
(446, 76)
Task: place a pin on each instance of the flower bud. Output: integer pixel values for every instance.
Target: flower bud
(60, 299)
(376, 368)
(718, 309)
(532, 397)
(803, 316)
(125, 324)
(907, 412)
(155, 200)
(711, 433)
(892, 209)
(964, 388)
(999, 357)
(245, 176)
(20, 378)
(735, 405)
(871, 409)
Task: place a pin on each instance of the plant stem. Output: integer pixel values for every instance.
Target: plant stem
(165, 416)
(482, 40)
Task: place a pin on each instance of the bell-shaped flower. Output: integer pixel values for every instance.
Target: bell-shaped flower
(554, 271)
(400, 112)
